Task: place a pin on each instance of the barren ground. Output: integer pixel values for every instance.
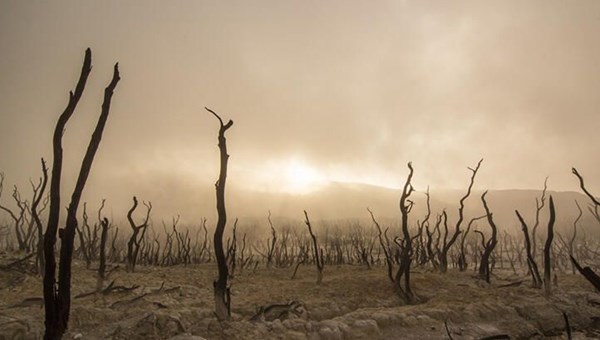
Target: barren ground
(352, 303)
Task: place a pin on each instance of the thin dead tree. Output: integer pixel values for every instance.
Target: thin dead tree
(539, 205)
(594, 209)
(57, 295)
(133, 245)
(462, 257)
(532, 265)
(547, 248)
(37, 198)
(271, 246)
(402, 279)
(221, 290)
(319, 262)
(385, 247)
(484, 264)
(443, 263)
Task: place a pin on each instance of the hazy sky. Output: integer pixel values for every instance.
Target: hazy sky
(318, 90)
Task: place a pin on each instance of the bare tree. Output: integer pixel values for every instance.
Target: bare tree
(532, 265)
(539, 205)
(484, 265)
(57, 296)
(547, 248)
(403, 272)
(133, 245)
(318, 252)
(443, 263)
(37, 198)
(222, 291)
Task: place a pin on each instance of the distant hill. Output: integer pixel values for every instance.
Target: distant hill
(336, 201)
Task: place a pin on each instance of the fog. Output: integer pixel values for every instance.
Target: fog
(336, 91)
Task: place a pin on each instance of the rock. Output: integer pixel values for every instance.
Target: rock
(186, 337)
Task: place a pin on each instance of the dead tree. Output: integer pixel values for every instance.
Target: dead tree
(319, 262)
(38, 193)
(402, 279)
(443, 263)
(594, 209)
(222, 291)
(547, 248)
(532, 265)
(539, 205)
(484, 265)
(385, 246)
(271, 246)
(18, 217)
(462, 258)
(133, 245)
(57, 295)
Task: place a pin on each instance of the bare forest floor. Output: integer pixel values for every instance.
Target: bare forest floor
(353, 302)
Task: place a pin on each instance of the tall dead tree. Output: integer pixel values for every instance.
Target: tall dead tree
(595, 207)
(443, 263)
(532, 265)
(222, 292)
(402, 279)
(484, 264)
(133, 245)
(548, 248)
(57, 295)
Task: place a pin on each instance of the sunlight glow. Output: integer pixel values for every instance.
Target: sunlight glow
(299, 177)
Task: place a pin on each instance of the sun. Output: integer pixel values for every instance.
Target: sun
(299, 177)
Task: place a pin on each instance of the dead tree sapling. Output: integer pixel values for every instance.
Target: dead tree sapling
(221, 290)
(133, 245)
(539, 205)
(318, 253)
(484, 265)
(385, 246)
(41, 188)
(462, 257)
(57, 295)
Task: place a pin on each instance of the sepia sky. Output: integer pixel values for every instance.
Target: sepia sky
(318, 90)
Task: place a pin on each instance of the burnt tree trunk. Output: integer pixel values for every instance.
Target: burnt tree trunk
(533, 268)
(484, 266)
(222, 293)
(402, 279)
(548, 248)
(57, 296)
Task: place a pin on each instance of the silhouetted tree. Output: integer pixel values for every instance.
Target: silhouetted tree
(547, 249)
(443, 263)
(402, 279)
(57, 295)
(484, 265)
(319, 262)
(133, 245)
(222, 291)
(532, 265)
